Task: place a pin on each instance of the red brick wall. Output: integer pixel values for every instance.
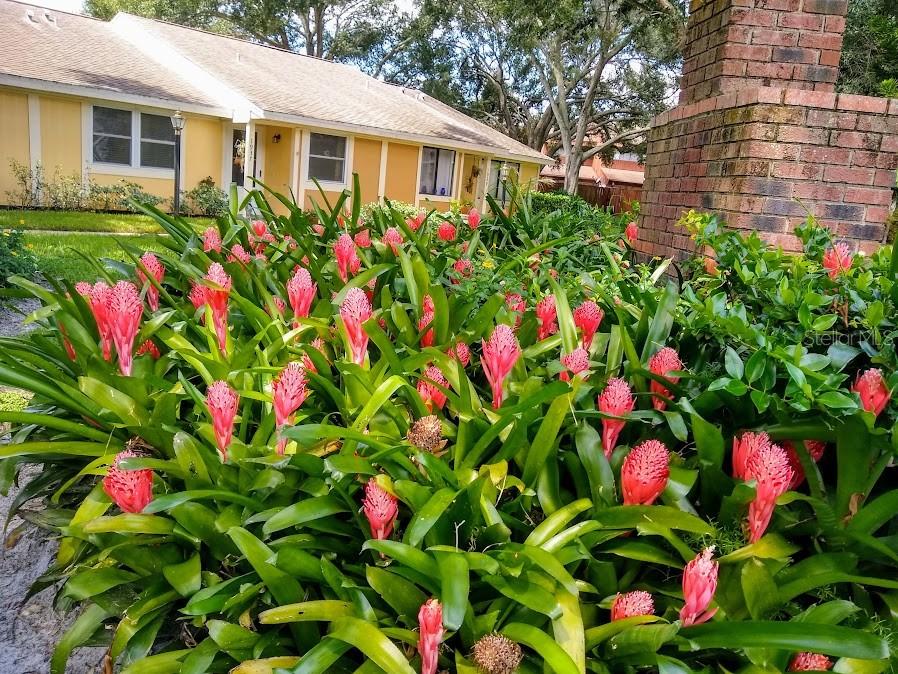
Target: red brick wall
(734, 44)
(760, 157)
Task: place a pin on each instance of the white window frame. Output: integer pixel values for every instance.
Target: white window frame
(455, 178)
(134, 169)
(139, 115)
(307, 182)
(512, 166)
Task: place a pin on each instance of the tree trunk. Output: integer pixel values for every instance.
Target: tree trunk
(572, 170)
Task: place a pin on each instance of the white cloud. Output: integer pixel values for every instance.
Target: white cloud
(73, 6)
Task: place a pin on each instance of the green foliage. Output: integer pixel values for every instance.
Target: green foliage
(511, 516)
(16, 257)
(870, 48)
(206, 199)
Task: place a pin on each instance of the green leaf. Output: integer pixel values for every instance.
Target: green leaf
(401, 595)
(326, 610)
(544, 441)
(301, 512)
(552, 654)
(601, 633)
(631, 517)
(373, 643)
(454, 587)
(733, 363)
(184, 577)
(427, 516)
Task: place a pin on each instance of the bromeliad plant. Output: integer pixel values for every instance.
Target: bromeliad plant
(315, 455)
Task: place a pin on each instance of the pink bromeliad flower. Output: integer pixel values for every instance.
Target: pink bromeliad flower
(428, 314)
(288, 392)
(632, 604)
(301, 292)
(663, 363)
(363, 239)
(645, 473)
(218, 290)
(500, 354)
(576, 362)
(97, 297)
(239, 253)
(837, 260)
(222, 401)
(588, 316)
(461, 352)
(446, 231)
(463, 268)
(67, 343)
(872, 389)
(473, 218)
(381, 509)
(392, 238)
(318, 228)
(157, 270)
(769, 467)
(125, 311)
(197, 297)
(307, 363)
(815, 449)
(515, 302)
(279, 306)
(631, 232)
(149, 347)
(355, 310)
(211, 240)
(699, 586)
(547, 316)
(430, 388)
(348, 262)
(430, 626)
(617, 400)
(810, 662)
(744, 447)
(130, 490)
(415, 223)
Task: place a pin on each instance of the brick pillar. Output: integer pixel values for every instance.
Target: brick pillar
(759, 135)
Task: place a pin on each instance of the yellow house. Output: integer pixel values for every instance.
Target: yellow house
(94, 98)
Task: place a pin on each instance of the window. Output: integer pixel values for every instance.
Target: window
(157, 141)
(134, 139)
(327, 157)
(112, 136)
(437, 169)
(500, 170)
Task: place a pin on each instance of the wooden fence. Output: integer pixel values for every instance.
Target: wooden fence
(617, 197)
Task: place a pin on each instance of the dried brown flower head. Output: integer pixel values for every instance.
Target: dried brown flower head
(497, 654)
(427, 433)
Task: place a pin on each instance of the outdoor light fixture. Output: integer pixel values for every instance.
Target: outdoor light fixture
(177, 123)
(276, 138)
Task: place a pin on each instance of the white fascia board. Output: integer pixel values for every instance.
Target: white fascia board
(97, 94)
(374, 132)
(240, 109)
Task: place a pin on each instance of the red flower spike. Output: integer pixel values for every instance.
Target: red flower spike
(301, 292)
(617, 399)
(125, 311)
(429, 388)
(576, 362)
(500, 354)
(355, 310)
(427, 317)
(446, 231)
(318, 228)
(545, 313)
(473, 219)
(149, 347)
(197, 295)
(515, 302)
(130, 490)
(157, 270)
(97, 297)
(587, 317)
(307, 363)
(461, 352)
(67, 343)
(663, 363)
(239, 253)
(363, 239)
(348, 262)
(211, 240)
(815, 449)
(631, 232)
(288, 393)
(632, 604)
(221, 401)
(699, 586)
(430, 626)
(872, 389)
(393, 239)
(744, 448)
(837, 260)
(218, 290)
(810, 662)
(381, 509)
(645, 473)
(769, 467)
(463, 268)
(415, 223)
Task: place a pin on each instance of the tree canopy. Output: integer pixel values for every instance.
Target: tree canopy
(869, 62)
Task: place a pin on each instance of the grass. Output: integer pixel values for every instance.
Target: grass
(57, 254)
(83, 221)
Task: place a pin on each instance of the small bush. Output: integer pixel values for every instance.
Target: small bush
(29, 181)
(15, 258)
(205, 199)
(548, 202)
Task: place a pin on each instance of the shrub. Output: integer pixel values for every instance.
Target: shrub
(15, 257)
(206, 199)
(549, 202)
(29, 182)
(327, 459)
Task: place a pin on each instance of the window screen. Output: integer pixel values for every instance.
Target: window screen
(327, 157)
(157, 141)
(112, 136)
(437, 169)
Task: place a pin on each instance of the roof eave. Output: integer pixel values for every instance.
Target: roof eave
(391, 134)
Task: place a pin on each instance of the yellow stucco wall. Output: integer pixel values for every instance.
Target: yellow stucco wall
(202, 151)
(429, 205)
(61, 136)
(366, 162)
(402, 172)
(529, 173)
(161, 187)
(278, 156)
(13, 137)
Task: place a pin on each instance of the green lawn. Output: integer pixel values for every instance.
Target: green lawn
(57, 253)
(80, 221)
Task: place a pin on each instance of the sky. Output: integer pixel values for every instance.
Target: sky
(73, 6)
